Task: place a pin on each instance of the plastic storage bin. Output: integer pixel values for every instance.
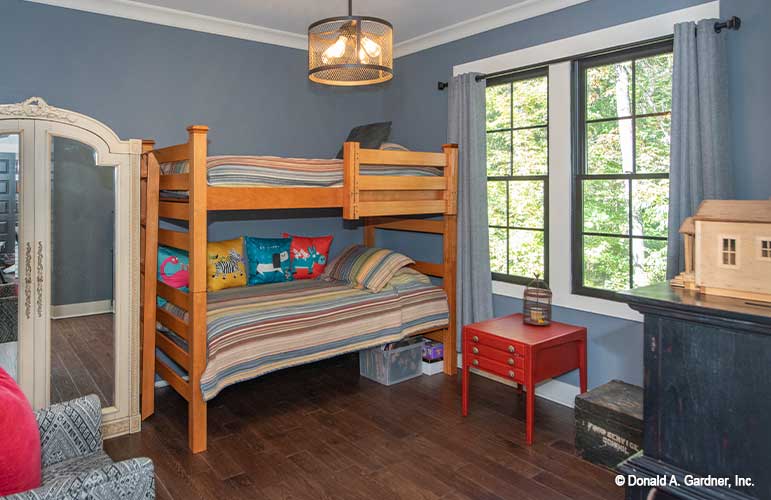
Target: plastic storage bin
(392, 363)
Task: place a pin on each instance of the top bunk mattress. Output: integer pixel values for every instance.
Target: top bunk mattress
(274, 171)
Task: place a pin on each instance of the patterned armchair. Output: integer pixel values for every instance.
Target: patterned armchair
(74, 464)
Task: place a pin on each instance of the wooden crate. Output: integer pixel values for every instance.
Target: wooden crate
(609, 423)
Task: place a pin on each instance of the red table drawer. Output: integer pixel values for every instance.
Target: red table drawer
(495, 342)
(500, 369)
(514, 360)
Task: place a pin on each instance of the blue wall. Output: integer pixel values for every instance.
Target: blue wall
(419, 115)
(151, 81)
(271, 223)
(82, 198)
(749, 86)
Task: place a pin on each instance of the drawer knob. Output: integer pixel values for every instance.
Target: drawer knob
(475, 350)
(475, 362)
(511, 361)
(511, 348)
(475, 338)
(511, 374)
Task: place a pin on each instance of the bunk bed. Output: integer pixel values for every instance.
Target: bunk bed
(382, 188)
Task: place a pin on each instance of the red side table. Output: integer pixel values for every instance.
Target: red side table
(508, 348)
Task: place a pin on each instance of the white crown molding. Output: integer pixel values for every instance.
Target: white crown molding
(621, 34)
(139, 11)
(480, 24)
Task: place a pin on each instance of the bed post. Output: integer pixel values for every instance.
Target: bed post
(149, 179)
(197, 232)
(369, 228)
(449, 250)
(351, 180)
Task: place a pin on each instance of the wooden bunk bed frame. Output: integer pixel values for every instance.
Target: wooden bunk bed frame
(378, 200)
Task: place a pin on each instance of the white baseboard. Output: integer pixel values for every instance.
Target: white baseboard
(81, 309)
(554, 390)
(558, 391)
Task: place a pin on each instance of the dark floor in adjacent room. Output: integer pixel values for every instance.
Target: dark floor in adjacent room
(82, 358)
(321, 431)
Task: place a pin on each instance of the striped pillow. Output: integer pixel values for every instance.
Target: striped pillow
(365, 267)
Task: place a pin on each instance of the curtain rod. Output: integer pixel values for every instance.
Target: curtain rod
(732, 23)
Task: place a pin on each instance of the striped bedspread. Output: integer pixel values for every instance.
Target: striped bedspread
(276, 171)
(260, 329)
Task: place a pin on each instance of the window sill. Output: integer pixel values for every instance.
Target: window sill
(572, 301)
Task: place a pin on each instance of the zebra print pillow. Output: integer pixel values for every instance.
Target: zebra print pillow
(225, 264)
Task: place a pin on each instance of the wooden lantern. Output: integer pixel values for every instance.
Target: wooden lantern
(537, 303)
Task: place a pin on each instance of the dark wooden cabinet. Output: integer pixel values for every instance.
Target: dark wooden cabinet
(707, 385)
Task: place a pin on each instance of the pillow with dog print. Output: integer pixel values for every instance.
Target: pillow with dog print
(269, 260)
(309, 255)
(225, 264)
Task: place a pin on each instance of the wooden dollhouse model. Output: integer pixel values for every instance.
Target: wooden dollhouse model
(728, 249)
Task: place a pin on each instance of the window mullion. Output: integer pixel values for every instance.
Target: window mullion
(634, 171)
(511, 174)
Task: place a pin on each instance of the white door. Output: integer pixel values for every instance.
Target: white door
(18, 273)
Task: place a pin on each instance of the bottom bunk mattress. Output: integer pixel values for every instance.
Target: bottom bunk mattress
(255, 330)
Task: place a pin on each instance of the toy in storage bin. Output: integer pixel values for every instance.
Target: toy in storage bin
(433, 357)
(392, 363)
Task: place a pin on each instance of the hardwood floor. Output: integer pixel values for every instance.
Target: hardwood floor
(82, 354)
(321, 431)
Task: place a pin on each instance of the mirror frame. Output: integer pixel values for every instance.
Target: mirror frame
(47, 122)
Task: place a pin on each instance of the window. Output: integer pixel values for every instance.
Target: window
(623, 104)
(765, 248)
(728, 251)
(517, 175)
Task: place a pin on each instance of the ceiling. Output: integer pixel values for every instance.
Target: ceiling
(418, 24)
(411, 18)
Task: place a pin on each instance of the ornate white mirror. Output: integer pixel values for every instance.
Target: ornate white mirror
(69, 259)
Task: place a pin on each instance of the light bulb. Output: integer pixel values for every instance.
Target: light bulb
(370, 47)
(334, 51)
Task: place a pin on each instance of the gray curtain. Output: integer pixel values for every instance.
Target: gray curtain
(467, 128)
(700, 150)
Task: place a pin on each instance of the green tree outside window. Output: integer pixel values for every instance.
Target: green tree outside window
(517, 175)
(622, 174)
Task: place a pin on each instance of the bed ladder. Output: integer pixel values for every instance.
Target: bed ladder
(150, 193)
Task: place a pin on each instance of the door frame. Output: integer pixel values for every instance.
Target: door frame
(44, 122)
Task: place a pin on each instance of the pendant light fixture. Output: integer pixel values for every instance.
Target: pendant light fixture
(350, 50)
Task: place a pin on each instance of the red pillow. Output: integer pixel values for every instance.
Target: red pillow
(308, 255)
(19, 440)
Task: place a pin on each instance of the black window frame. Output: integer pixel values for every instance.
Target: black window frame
(579, 174)
(531, 73)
